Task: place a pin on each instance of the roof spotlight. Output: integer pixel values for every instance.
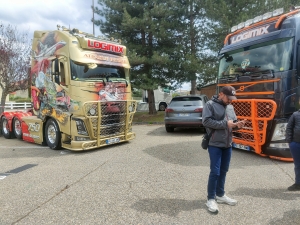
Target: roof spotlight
(248, 22)
(267, 15)
(277, 12)
(257, 19)
(234, 28)
(241, 25)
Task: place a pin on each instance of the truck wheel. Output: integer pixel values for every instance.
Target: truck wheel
(5, 129)
(52, 135)
(162, 106)
(17, 128)
(169, 129)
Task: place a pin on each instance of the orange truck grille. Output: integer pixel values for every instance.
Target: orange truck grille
(257, 112)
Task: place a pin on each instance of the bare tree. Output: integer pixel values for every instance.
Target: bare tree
(14, 61)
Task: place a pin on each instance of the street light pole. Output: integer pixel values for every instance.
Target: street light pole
(93, 18)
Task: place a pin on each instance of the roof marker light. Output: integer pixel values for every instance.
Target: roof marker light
(248, 22)
(241, 25)
(75, 31)
(64, 28)
(267, 15)
(234, 28)
(257, 19)
(277, 12)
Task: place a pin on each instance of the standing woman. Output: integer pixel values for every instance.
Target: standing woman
(293, 138)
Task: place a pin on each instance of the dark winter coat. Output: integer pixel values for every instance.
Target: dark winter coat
(293, 128)
(214, 118)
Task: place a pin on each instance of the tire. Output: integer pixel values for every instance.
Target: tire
(17, 128)
(169, 129)
(5, 129)
(53, 135)
(162, 106)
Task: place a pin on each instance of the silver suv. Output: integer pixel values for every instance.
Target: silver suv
(185, 111)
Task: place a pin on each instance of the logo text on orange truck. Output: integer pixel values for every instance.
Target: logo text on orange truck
(250, 34)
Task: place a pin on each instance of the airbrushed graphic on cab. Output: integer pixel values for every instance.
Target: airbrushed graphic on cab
(48, 97)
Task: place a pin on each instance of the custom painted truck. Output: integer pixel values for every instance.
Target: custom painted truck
(261, 59)
(80, 91)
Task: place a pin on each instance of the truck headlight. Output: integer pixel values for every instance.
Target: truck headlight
(280, 145)
(279, 132)
(81, 129)
(131, 107)
(92, 112)
(82, 138)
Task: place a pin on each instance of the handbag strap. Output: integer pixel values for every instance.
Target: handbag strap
(210, 133)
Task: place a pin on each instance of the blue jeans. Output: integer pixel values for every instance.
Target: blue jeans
(295, 151)
(219, 165)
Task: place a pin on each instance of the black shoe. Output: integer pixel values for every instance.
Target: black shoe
(294, 187)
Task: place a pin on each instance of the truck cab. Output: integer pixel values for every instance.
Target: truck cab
(80, 90)
(261, 59)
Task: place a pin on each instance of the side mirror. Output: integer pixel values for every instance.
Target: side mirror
(298, 59)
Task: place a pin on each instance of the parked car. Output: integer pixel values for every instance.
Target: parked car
(185, 111)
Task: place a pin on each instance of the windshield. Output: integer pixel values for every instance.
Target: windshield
(186, 101)
(269, 57)
(91, 71)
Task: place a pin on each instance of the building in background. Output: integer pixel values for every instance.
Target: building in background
(209, 90)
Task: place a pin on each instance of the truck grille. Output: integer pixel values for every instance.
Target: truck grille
(257, 112)
(107, 119)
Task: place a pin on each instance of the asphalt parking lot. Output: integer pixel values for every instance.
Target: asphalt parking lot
(157, 178)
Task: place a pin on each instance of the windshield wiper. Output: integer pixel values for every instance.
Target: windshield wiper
(98, 76)
(259, 73)
(247, 74)
(117, 80)
(101, 79)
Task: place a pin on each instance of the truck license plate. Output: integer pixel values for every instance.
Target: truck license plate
(112, 141)
(244, 147)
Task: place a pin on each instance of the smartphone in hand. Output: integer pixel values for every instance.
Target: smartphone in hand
(236, 121)
(241, 123)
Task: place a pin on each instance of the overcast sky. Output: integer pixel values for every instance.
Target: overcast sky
(30, 15)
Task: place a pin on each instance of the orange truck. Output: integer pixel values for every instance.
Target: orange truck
(261, 59)
(80, 92)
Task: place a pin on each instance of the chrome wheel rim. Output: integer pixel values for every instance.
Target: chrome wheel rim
(51, 134)
(18, 129)
(5, 127)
